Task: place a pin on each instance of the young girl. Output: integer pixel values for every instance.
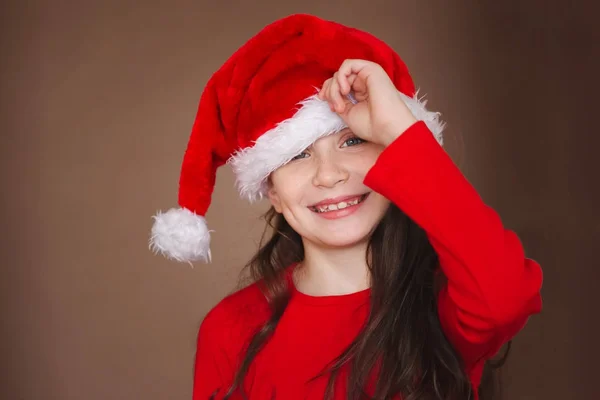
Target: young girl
(386, 276)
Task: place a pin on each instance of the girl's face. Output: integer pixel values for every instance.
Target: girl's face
(321, 192)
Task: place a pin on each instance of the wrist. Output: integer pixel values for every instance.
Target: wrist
(394, 130)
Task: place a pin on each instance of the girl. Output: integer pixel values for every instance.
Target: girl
(386, 276)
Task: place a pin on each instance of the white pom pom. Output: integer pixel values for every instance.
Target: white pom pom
(181, 235)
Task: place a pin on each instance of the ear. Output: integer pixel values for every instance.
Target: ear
(273, 197)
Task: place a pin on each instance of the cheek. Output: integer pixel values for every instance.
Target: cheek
(364, 159)
(371, 155)
(292, 175)
(363, 164)
(287, 185)
(382, 204)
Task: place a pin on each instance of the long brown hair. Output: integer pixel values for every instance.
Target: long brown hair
(402, 337)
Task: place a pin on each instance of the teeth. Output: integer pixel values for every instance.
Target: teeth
(339, 206)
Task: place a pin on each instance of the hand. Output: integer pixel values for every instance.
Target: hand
(379, 114)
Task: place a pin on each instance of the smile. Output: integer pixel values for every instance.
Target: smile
(327, 206)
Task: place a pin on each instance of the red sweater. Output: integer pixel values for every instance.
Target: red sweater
(491, 291)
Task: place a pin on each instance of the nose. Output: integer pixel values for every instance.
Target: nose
(329, 173)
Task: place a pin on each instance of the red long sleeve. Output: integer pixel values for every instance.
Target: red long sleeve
(492, 288)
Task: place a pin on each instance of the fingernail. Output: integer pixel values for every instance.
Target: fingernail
(352, 98)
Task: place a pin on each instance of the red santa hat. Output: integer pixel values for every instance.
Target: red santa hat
(259, 110)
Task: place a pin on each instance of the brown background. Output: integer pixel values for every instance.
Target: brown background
(97, 103)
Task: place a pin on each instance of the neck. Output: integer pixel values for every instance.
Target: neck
(332, 271)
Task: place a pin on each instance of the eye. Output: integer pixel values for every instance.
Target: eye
(304, 154)
(352, 141)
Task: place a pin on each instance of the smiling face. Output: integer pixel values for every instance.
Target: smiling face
(321, 192)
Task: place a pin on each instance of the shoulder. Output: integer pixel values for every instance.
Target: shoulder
(222, 338)
(235, 317)
(238, 304)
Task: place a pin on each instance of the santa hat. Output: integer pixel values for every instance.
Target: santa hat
(259, 110)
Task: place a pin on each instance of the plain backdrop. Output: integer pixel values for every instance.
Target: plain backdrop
(98, 99)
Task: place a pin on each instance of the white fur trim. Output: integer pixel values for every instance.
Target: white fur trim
(417, 105)
(279, 145)
(181, 235)
(289, 138)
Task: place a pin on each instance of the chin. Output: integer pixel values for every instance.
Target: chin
(352, 231)
(343, 240)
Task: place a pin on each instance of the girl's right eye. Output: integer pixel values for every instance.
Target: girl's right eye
(304, 154)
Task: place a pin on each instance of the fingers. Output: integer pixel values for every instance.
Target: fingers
(362, 68)
(343, 82)
(350, 81)
(324, 92)
(351, 77)
(331, 92)
(335, 94)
